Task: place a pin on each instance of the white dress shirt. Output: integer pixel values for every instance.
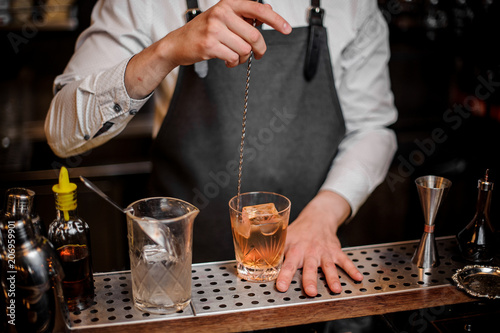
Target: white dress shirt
(93, 91)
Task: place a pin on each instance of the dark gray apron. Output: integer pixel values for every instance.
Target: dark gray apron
(294, 127)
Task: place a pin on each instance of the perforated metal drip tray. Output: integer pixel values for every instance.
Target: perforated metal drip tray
(216, 289)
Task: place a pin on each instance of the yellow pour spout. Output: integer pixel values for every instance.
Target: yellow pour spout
(65, 193)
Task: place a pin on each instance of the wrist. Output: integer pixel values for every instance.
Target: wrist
(335, 204)
(146, 70)
(164, 51)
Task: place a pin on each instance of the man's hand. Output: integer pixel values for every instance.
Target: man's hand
(312, 242)
(224, 31)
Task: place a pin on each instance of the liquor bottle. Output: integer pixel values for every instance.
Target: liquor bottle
(70, 236)
(477, 240)
(31, 274)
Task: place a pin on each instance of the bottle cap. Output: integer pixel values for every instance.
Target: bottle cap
(484, 184)
(65, 193)
(64, 186)
(19, 200)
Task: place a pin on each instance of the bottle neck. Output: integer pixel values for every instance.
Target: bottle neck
(483, 203)
(66, 215)
(19, 201)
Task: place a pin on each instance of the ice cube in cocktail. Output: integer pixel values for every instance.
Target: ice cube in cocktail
(264, 217)
(260, 213)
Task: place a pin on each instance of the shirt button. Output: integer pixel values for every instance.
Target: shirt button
(86, 136)
(117, 108)
(133, 112)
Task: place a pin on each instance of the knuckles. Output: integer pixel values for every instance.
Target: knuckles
(254, 36)
(329, 265)
(218, 12)
(288, 267)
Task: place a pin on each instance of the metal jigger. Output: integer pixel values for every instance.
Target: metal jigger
(431, 191)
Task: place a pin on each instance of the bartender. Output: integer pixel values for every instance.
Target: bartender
(318, 109)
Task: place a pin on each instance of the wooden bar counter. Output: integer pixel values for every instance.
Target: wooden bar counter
(224, 303)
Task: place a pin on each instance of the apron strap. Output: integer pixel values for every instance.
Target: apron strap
(201, 68)
(191, 4)
(193, 9)
(316, 34)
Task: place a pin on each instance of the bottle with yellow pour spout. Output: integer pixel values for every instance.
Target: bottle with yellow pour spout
(70, 236)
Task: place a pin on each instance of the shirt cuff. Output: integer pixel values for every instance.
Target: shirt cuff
(350, 183)
(111, 95)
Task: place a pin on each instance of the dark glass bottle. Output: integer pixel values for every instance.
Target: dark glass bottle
(70, 236)
(477, 240)
(30, 275)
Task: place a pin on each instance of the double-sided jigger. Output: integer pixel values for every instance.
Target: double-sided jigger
(431, 191)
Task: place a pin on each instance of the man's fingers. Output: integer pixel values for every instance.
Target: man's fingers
(310, 276)
(348, 266)
(310, 266)
(285, 276)
(249, 35)
(329, 267)
(230, 23)
(288, 269)
(264, 14)
(221, 51)
(332, 276)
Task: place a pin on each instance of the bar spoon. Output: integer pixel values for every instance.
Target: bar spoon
(151, 226)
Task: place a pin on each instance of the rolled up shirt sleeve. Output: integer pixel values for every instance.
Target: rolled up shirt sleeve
(105, 110)
(91, 104)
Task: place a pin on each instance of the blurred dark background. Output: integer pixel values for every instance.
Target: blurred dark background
(445, 77)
